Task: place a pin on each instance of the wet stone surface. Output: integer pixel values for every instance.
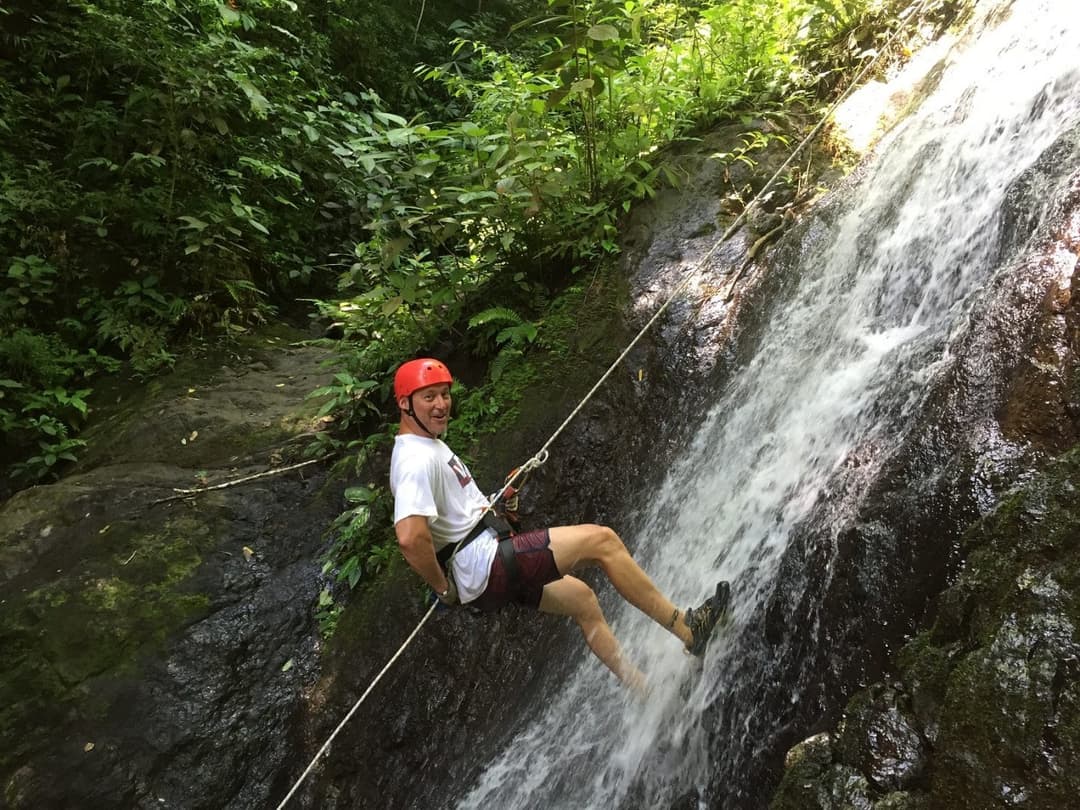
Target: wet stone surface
(993, 683)
(878, 737)
(977, 688)
(154, 653)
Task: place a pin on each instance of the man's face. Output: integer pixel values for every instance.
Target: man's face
(432, 406)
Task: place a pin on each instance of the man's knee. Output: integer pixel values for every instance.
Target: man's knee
(606, 543)
(585, 544)
(588, 611)
(570, 596)
(581, 600)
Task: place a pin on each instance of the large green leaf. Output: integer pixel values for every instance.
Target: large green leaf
(603, 32)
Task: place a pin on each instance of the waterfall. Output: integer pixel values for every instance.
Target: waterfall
(883, 287)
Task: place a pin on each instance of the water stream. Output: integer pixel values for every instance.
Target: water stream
(882, 290)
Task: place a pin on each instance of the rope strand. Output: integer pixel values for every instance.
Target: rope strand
(356, 706)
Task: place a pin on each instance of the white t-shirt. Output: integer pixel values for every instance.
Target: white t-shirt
(427, 479)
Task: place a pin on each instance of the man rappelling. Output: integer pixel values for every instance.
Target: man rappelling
(450, 538)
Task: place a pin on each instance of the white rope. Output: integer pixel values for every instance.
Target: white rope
(542, 454)
(356, 706)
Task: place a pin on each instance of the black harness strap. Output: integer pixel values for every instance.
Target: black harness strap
(489, 521)
(506, 548)
(510, 564)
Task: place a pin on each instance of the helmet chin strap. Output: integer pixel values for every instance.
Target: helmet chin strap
(416, 419)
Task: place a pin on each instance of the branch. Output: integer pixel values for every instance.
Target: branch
(187, 493)
(416, 33)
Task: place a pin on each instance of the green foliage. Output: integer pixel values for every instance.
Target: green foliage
(376, 44)
(170, 167)
(361, 542)
(54, 446)
(348, 396)
(29, 279)
(33, 359)
(327, 613)
(137, 318)
(510, 333)
(42, 401)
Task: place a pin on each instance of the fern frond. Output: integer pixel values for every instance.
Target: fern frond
(495, 315)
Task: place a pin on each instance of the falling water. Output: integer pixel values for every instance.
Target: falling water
(843, 364)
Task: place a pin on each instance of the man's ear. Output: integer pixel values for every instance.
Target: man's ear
(403, 403)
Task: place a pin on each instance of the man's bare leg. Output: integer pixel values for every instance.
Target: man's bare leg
(570, 596)
(576, 547)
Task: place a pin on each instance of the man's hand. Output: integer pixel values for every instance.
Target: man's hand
(507, 505)
(450, 595)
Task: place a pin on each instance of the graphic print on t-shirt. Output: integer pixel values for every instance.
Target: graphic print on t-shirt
(462, 474)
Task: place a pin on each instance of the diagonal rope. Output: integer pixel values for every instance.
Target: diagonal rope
(352, 711)
(542, 454)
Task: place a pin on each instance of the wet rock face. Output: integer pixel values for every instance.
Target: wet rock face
(993, 683)
(154, 652)
(1006, 724)
(1042, 405)
(816, 780)
(990, 686)
(878, 738)
(1000, 411)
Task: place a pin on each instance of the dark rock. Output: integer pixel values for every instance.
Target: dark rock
(994, 682)
(155, 652)
(879, 738)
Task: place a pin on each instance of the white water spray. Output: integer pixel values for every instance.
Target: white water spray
(840, 366)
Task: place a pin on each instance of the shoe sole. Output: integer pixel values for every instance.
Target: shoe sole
(722, 597)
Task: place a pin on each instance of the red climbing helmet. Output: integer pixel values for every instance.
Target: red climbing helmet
(419, 373)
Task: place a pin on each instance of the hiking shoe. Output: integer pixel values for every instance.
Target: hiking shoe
(702, 620)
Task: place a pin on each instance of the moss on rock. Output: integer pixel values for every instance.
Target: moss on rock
(806, 768)
(994, 682)
(1003, 734)
(95, 618)
(217, 407)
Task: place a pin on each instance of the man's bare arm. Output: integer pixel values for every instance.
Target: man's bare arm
(414, 540)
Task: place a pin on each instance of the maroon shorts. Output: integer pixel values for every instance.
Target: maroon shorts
(537, 564)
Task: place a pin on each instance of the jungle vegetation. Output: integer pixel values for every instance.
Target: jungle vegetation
(183, 170)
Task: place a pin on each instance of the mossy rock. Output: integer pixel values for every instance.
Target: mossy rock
(218, 407)
(1009, 728)
(805, 769)
(879, 739)
(837, 787)
(994, 682)
(111, 606)
(902, 800)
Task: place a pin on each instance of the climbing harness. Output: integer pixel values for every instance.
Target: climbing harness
(541, 455)
(488, 520)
